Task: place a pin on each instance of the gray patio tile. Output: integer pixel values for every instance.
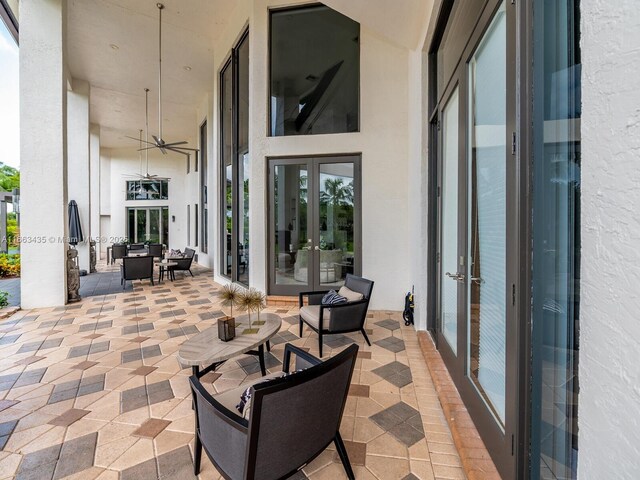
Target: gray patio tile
(176, 464)
(147, 469)
(389, 324)
(392, 344)
(200, 301)
(250, 364)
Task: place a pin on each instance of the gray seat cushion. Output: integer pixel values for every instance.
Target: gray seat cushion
(231, 398)
(311, 315)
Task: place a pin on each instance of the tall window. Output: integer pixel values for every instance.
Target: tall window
(556, 238)
(235, 163)
(147, 190)
(315, 72)
(188, 224)
(203, 188)
(195, 219)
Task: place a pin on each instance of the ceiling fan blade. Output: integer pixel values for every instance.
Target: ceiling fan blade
(159, 141)
(148, 148)
(185, 148)
(138, 140)
(174, 143)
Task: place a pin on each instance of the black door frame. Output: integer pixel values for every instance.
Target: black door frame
(313, 220)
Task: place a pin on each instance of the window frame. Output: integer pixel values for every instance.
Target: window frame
(309, 6)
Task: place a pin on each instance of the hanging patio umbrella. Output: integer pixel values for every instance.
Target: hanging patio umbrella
(75, 229)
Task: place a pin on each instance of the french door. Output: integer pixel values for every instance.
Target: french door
(477, 268)
(149, 224)
(314, 218)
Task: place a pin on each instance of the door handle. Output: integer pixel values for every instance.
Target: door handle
(456, 276)
(308, 247)
(478, 280)
(316, 247)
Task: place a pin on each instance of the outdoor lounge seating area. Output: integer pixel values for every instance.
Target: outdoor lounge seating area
(95, 390)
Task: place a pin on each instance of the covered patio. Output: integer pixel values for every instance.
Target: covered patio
(94, 390)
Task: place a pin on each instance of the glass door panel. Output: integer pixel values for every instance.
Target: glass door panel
(336, 222)
(487, 216)
(292, 255)
(141, 226)
(154, 225)
(449, 223)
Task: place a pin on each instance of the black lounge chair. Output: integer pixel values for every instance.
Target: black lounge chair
(292, 420)
(155, 250)
(118, 252)
(136, 268)
(184, 264)
(341, 318)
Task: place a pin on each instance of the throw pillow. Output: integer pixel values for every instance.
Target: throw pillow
(244, 407)
(332, 298)
(350, 295)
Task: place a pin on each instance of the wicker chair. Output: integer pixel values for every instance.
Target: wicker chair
(341, 318)
(136, 268)
(155, 250)
(184, 264)
(293, 419)
(118, 252)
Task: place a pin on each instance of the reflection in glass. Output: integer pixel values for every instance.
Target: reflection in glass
(242, 160)
(336, 223)
(449, 225)
(315, 72)
(290, 214)
(226, 134)
(141, 226)
(154, 225)
(147, 190)
(556, 239)
(487, 230)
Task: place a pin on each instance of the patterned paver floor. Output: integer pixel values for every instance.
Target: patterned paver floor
(94, 390)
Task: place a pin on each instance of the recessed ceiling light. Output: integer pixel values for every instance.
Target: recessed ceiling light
(187, 68)
(114, 46)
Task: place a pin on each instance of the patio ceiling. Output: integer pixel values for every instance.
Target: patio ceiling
(119, 75)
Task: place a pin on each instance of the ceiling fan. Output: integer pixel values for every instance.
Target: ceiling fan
(159, 142)
(146, 176)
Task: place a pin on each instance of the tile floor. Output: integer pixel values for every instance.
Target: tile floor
(94, 390)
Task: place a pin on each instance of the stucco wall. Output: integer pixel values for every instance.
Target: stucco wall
(609, 402)
(124, 161)
(382, 141)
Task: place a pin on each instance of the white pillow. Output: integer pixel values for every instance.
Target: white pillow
(350, 295)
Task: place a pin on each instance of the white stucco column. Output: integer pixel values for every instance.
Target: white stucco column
(78, 161)
(94, 183)
(43, 155)
(608, 425)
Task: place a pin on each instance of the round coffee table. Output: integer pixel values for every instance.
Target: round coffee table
(206, 350)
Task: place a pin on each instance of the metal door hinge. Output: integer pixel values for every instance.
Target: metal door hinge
(513, 143)
(513, 294)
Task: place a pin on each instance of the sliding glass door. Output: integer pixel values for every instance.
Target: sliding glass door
(314, 223)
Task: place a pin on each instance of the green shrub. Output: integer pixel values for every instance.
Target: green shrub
(9, 265)
(4, 299)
